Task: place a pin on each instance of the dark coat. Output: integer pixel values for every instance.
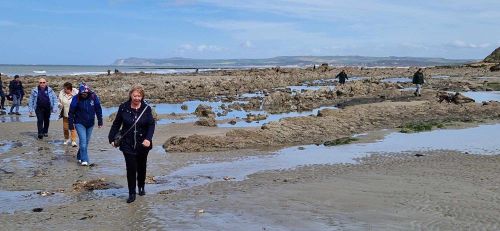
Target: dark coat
(418, 78)
(16, 88)
(342, 77)
(125, 117)
(84, 110)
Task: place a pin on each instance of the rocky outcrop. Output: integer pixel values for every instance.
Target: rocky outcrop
(494, 57)
(495, 68)
(204, 111)
(207, 122)
(335, 124)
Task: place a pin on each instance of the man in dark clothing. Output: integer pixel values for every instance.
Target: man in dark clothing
(2, 94)
(43, 101)
(342, 77)
(418, 80)
(16, 90)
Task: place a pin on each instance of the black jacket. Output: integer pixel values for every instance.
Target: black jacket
(144, 129)
(16, 88)
(418, 78)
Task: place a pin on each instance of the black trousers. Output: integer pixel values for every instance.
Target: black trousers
(42, 119)
(136, 170)
(2, 100)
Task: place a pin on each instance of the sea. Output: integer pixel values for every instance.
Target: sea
(65, 70)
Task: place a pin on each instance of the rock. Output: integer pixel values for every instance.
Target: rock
(251, 117)
(204, 111)
(461, 99)
(37, 210)
(98, 184)
(301, 148)
(232, 122)
(419, 155)
(112, 117)
(184, 107)
(495, 68)
(207, 122)
(494, 57)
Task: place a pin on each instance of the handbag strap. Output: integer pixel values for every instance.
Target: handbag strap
(136, 120)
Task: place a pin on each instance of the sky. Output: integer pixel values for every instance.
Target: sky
(96, 32)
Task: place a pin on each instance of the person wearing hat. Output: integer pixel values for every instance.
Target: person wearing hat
(81, 116)
(43, 101)
(16, 91)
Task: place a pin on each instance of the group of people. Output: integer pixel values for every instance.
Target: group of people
(418, 80)
(16, 94)
(79, 108)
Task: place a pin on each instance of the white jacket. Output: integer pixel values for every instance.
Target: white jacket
(65, 100)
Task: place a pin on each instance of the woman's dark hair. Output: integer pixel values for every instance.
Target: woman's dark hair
(68, 85)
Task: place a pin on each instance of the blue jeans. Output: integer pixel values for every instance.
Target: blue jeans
(84, 134)
(16, 101)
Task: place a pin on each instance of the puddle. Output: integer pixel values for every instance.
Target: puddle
(477, 140)
(480, 96)
(309, 88)
(5, 147)
(397, 80)
(12, 201)
(440, 77)
(270, 117)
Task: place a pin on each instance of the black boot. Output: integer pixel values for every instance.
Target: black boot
(141, 191)
(131, 198)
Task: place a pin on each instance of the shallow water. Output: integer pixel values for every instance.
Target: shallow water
(478, 140)
(480, 96)
(397, 80)
(270, 117)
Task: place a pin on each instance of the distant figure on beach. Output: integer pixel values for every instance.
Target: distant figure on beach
(117, 71)
(109, 72)
(65, 98)
(16, 91)
(83, 109)
(43, 101)
(342, 77)
(196, 71)
(418, 80)
(2, 94)
(135, 119)
(314, 67)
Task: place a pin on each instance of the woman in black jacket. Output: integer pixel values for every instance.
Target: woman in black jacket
(137, 142)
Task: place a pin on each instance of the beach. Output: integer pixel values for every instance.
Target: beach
(280, 174)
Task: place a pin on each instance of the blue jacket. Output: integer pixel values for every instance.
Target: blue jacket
(84, 110)
(16, 88)
(144, 129)
(34, 95)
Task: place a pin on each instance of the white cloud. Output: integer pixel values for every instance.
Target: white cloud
(246, 44)
(205, 47)
(462, 44)
(199, 48)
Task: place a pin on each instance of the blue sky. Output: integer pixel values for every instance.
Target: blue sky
(98, 32)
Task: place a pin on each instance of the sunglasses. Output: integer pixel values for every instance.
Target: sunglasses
(41, 82)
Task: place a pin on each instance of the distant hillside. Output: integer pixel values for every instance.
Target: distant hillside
(292, 61)
(494, 57)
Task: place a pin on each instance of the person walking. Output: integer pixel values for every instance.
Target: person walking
(137, 124)
(342, 77)
(16, 90)
(65, 97)
(83, 110)
(43, 102)
(2, 95)
(418, 80)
